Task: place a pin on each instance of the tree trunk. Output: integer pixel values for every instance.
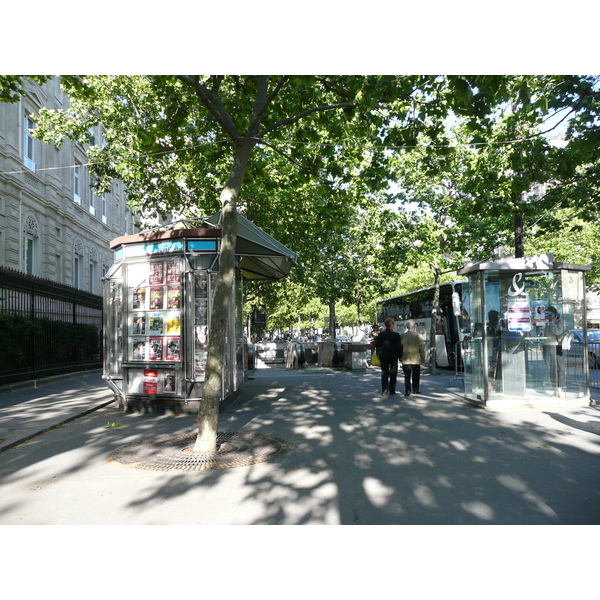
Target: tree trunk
(332, 320)
(208, 413)
(519, 245)
(434, 311)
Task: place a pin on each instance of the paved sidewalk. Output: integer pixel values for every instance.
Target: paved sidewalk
(26, 411)
(358, 458)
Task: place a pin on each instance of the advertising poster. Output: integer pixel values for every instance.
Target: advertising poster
(173, 270)
(156, 273)
(150, 381)
(538, 312)
(519, 316)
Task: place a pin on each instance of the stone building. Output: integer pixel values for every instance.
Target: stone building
(52, 224)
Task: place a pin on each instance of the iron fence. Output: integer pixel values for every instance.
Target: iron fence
(46, 328)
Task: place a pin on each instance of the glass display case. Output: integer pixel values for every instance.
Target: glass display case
(157, 297)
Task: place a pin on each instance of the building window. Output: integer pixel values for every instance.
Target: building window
(105, 200)
(93, 201)
(78, 264)
(28, 156)
(93, 275)
(30, 245)
(77, 184)
(93, 270)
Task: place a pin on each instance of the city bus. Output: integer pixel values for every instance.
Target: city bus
(452, 319)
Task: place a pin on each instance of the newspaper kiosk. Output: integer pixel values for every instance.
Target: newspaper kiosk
(518, 351)
(157, 301)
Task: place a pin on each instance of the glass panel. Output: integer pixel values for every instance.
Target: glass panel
(473, 350)
(200, 299)
(114, 329)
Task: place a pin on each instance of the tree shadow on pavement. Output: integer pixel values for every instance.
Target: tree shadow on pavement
(359, 458)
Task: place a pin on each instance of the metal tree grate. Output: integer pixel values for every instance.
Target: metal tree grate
(175, 452)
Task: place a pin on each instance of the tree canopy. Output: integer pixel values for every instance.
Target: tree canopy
(333, 154)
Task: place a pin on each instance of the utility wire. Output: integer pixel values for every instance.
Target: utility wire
(347, 143)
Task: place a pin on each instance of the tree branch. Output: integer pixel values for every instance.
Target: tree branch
(211, 101)
(310, 111)
(263, 102)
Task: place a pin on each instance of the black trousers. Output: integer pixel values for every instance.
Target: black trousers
(389, 375)
(412, 375)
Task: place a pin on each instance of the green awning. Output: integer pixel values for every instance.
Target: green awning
(261, 256)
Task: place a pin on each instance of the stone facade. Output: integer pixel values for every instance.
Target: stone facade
(51, 223)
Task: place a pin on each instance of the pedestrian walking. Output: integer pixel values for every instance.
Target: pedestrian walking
(413, 355)
(389, 349)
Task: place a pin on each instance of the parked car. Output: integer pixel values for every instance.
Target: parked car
(593, 339)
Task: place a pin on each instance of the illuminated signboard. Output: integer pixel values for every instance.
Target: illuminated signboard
(202, 246)
(151, 249)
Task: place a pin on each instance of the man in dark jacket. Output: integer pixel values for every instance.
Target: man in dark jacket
(389, 348)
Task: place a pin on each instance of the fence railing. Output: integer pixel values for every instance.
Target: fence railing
(46, 328)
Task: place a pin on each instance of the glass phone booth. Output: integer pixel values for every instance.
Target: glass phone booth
(520, 351)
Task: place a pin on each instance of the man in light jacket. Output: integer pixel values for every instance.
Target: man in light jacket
(413, 355)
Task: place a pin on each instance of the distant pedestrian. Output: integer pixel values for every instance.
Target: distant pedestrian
(389, 348)
(555, 332)
(413, 355)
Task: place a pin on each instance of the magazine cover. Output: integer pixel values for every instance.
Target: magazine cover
(139, 298)
(169, 379)
(139, 324)
(156, 324)
(173, 270)
(150, 381)
(172, 348)
(173, 297)
(201, 310)
(138, 349)
(201, 332)
(200, 357)
(201, 285)
(155, 348)
(173, 324)
(156, 298)
(156, 273)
